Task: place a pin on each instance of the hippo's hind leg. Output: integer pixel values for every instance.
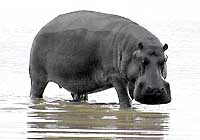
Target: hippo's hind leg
(38, 85)
(79, 97)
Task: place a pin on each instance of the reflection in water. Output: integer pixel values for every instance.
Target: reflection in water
(60, 119)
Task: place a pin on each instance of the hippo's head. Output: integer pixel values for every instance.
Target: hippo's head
(147, 70)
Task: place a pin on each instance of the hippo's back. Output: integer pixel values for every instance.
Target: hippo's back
(92, 21)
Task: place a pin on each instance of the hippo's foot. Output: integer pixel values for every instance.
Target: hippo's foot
(79, 97)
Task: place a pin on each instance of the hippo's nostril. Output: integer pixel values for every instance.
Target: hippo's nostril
(162, 89)
(149, 89)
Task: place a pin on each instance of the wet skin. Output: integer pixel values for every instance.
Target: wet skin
(86, 52)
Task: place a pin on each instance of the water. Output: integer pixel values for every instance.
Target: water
(55, 118)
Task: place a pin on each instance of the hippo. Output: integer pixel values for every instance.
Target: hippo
(86, 52)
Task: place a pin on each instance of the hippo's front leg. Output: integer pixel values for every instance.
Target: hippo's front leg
(121, 88)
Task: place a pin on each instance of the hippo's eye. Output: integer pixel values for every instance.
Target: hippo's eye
(145, 62)
(161, 63)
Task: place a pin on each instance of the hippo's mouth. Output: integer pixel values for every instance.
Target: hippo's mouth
(153, 96)
(153, 100)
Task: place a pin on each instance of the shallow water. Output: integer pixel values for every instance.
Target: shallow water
(55, 117)
(58, 119)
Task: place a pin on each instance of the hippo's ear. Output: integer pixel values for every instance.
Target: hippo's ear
(140, 46)
(165, 47)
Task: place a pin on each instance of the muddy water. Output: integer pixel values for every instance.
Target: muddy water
(56, 118)
(59, 119)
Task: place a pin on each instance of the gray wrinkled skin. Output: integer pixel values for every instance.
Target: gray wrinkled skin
(85, 52)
